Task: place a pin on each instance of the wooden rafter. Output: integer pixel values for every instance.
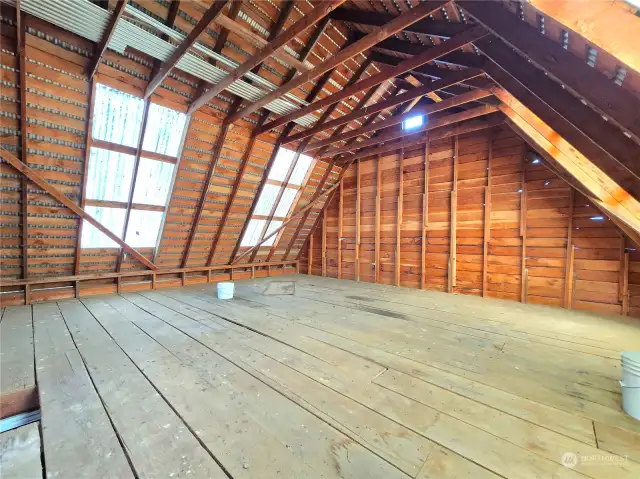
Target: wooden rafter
(106, 38)
(617, 202)
(433, 28)
(473, 95)
(396, 25)
(432, 124)
(363, 101)
(490, 121)
(430, 54)
(602, 142)
(182, 49)
(41, 182)
(618, 104)
(313, 17)
(451, 79)
(217, 150)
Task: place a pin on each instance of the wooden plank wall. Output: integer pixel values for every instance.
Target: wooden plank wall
(546, 244)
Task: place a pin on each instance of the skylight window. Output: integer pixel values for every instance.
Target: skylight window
(276, 190)
(413, 122)
(113, 177)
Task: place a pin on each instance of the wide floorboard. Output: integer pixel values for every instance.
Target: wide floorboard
(339, 379)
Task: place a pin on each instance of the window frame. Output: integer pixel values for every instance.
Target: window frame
(282, 186)
(138, 153)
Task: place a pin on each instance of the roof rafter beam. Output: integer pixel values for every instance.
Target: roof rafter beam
(106, 38)
(434, 28)
(618, 104)
(313, 17)
(452, 78)
(405, 66)
(182, 49)
(40, 181)
(489, 121)
(451, 102)
(397, 24)
(398, 133)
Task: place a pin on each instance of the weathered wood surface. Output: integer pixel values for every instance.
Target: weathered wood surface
(20, 453)
(341, 379)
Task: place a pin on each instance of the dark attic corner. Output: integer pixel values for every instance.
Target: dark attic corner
(260, 239)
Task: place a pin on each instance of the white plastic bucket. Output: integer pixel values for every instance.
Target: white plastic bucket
(630, 361)
(631, 400)
(225, 290)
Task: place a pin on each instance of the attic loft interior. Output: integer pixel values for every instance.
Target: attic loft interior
(350, 239)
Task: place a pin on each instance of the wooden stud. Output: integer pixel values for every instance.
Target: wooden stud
(324, 243)
(571, 288)
(22, 99)
(377, 226)
(154, 280)
(27, 294)
(253, 272)
(77, 289)
(454, 219)
(523, 227)
(487, 218)
(310, 258)
(59, 196)
(568, 272)
(425, 217)
(340, 227)
(208, 276)
(134, 177)
(357, 246)
(398, 267)
(622, 273)
(106, 38)
(625, 285)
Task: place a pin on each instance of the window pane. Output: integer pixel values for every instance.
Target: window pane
(153, 182)
(143, 228)
(109, 176)
(111, 218)
(300, 171)
(281, 164)
(285, 202)
(274, 225)
(266, 200)
(117, 116)
(164, 130)
(252, 233)
(413, 122)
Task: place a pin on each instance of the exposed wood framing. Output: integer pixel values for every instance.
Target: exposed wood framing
(340, 226)
(182, 49)
(405, 66)
(359, 112)
(217, 150)
(377, 226)
(85, 176)
(324, 243)
(625, 284)
(397, 24)
(486, 237)
(425, 216)
(357, 245)
(452, 102)
(22, 99)
(619, 105)
(36, 178)
(454, 218)
(399, 218)
(570, 277)
(310, 256)
(523, 228)
(568, 265)
(134, 177)
(106, 38)
(310, 19)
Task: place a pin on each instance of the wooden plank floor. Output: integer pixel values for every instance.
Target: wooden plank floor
(341, 379)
